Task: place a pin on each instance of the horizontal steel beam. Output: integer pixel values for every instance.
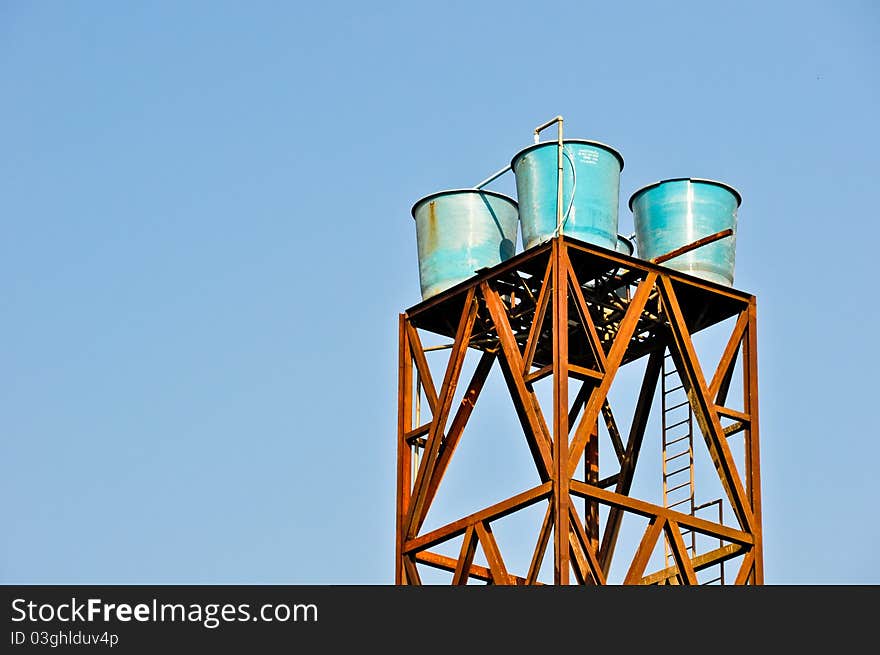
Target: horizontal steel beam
(699, 563)
(476, 571)
(609, 256)
(650, 510)
(496, 511)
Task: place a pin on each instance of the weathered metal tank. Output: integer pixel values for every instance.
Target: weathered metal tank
(459, 231)
(673, 213)
(590, 185)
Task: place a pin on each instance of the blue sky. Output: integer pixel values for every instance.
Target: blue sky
(207, 240)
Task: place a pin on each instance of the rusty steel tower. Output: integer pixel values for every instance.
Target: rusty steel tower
(562, 321)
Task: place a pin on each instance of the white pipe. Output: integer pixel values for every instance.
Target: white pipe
(558, 121)
(540, 128)
(494, 176)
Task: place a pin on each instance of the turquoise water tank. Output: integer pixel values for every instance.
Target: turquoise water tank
(673, 213)
(591, 189)
(460, 231)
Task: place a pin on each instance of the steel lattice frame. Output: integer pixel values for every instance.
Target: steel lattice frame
(519, 315)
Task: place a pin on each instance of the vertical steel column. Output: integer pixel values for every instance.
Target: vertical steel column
(591, 464)
(560, 472)
(404, 425)
(752, 453)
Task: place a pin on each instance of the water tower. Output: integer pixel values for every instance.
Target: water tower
(655, 483)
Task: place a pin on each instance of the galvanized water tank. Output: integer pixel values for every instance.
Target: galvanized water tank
(673, 213)
(591, 189)
(460, 231)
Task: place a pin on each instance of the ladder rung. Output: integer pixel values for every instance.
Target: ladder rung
(669, 391)
(683, 468)
(684, 484)
(717, 501)
(675, 425)
(681, 501)
(669, 409)
(676, 456)
(669, 443)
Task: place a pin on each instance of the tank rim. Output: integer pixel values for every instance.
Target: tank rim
(627, 240)
(540, 144)
(446, 192)
(703, 180)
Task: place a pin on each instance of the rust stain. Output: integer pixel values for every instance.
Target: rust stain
(431, 228)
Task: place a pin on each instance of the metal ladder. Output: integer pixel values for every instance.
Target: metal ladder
(678, 463)
(678, 452)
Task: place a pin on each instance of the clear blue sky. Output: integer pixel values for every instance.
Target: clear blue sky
(206, 241)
